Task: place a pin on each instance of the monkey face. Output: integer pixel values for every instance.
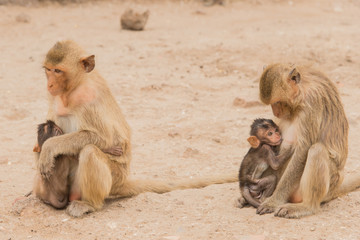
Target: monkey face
(273, 137)
(281, 110)
(56, 80)
(64, 64)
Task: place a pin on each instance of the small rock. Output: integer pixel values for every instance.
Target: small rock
(189, 152)
(23, 18)
(134, 21)
(217, 140)
(173, 134)
(239, 102)
(171, 237)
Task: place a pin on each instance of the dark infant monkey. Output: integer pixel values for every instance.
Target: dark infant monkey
(265, 140)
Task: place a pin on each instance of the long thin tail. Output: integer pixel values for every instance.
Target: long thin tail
(349, 184)
(134, 187)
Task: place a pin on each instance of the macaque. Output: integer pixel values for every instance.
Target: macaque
(313, 123)
(82, 105)
(56, 190)
(265, 140)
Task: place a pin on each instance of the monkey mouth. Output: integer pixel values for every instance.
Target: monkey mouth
(52, 92)
(278, 142)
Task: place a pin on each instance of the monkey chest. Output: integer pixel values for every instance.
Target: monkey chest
(260, 169)
(67, 123)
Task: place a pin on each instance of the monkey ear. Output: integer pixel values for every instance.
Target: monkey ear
(294, 75)
(36, 148)
(254, 141)
(88, 63)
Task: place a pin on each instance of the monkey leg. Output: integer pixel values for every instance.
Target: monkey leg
(246, 194)
(314, 184)
(287, 184)
(94, 180)
(269, 184)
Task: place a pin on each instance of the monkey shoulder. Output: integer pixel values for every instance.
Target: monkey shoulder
(83, 94)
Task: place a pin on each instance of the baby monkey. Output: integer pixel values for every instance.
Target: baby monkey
(50, 129)
(56, 192)
(265, 140)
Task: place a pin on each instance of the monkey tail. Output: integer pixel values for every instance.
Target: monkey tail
(134, 187)
(348, 185)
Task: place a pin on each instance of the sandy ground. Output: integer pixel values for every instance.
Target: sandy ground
(188, 86)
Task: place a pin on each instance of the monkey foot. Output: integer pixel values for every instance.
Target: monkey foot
(292, 210)
(266, 207)
(79, 209)
(240, 202)
(46, 169)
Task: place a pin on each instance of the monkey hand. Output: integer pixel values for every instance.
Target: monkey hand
(46, 161)
(268, 206)
(115, 150)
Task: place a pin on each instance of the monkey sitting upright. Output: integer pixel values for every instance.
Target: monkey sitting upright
(56, 191)
(265, 140)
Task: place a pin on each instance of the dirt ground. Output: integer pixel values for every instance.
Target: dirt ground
(188, 86)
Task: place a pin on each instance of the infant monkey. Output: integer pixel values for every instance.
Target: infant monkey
(265, 140)
(50, 129)
(56, 192)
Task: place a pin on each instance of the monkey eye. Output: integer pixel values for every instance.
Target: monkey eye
(270, 133)
(57, 70)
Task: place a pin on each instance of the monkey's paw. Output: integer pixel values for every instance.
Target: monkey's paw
(240, 202)
(45, 164)
(293, 210)
(79, 209)
(266, 207)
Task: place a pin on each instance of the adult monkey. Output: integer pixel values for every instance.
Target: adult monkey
(81, 104)
(313, 123)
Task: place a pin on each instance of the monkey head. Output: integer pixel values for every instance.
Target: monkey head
(279, 87)
(264, 131)
(46, 131)
(66, 61)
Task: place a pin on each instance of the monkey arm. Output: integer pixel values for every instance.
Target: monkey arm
(67, 144)
(115, 150)
(276, 161)
(249, 178)
(291, 176)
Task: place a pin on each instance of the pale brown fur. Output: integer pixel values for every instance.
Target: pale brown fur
(81, 104)
(316, 127)
(55, 191)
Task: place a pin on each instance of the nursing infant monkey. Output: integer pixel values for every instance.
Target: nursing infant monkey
(255, 184)
(314, 127)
